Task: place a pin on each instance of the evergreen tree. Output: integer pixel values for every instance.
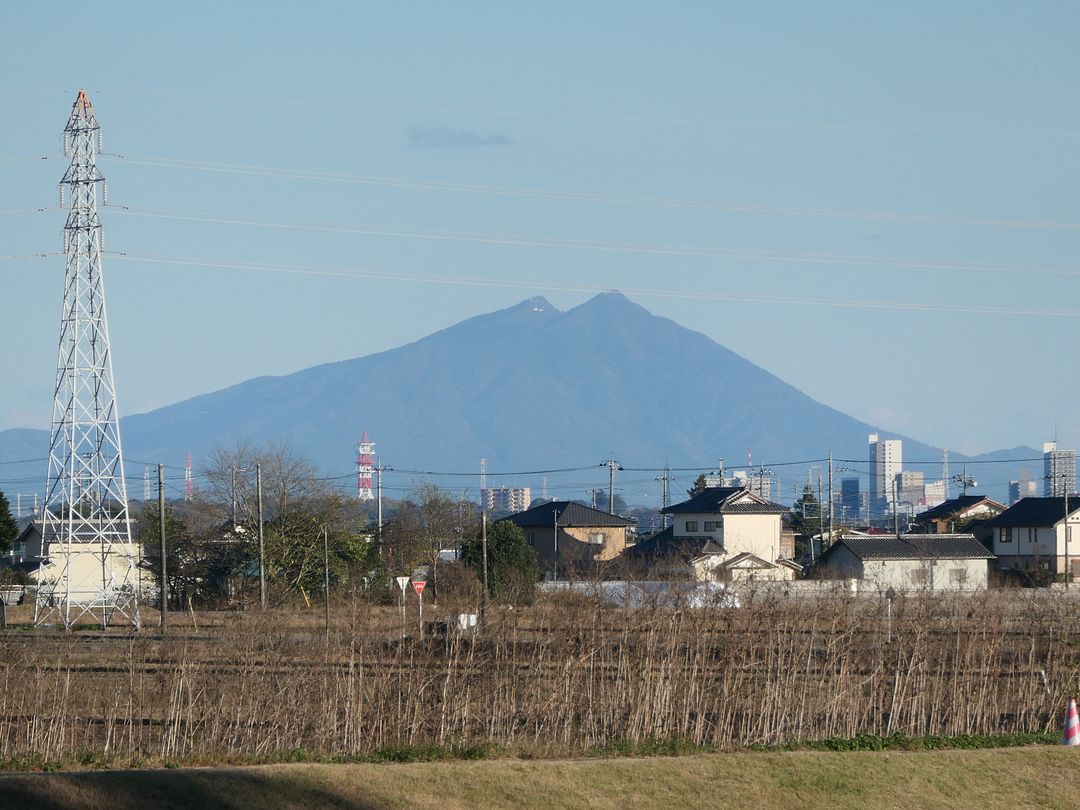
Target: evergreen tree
(9, 529)
(700, 485)
(512, 567)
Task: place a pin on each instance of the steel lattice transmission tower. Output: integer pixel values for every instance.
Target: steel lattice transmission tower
(89, 563)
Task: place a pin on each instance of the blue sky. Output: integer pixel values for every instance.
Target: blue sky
(876, 202)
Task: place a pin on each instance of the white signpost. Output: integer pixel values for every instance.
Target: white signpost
(418, 586)
(403, 583)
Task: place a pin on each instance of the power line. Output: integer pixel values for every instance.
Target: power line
(338, 104)
(534, 285)
(586, 244)
(645, 200)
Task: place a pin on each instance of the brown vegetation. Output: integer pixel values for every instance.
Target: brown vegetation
(559, 677)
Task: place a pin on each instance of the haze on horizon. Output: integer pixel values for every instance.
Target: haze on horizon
(876, 204)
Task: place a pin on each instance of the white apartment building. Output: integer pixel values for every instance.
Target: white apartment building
(886, 463)
(506, 499)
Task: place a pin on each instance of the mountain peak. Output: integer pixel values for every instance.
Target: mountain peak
(611, 302)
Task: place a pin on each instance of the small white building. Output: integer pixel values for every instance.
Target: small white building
(909, 562)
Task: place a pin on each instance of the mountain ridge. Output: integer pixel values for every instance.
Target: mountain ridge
(528, 387)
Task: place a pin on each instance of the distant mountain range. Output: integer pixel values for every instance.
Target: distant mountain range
(528, 388)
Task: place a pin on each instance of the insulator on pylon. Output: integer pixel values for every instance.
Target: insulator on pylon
(65, 145)
(99, 141)
(60, 191)
(67, 242)
(104, 193)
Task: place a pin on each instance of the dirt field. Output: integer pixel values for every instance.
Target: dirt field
(1004, 779)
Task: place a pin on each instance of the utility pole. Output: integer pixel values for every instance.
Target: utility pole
(895, 517)
(831, 524)
(1068, 566)
(612, 466)
(555, 512)
(665, 480)
(379, 468)
(232, 491)
(161, 543)
(820, 513)
(326, 579)
(262, 547)
(484, 552)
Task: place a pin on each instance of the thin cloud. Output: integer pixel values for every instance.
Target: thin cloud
(437, 137)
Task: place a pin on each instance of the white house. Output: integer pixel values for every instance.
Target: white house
(909, 562)
(727, 533)
(1032, 533)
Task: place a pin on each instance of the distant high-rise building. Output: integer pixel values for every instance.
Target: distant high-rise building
(935, 493)
(506, 499)
(886, 462)
(911, 487)
(1059, 471)
(849, 498)
(1022, 489)
(758, 483)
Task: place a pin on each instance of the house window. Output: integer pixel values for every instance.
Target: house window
(958, 576)
(1031, 535)
(691, 525)
(532, 538)
(596, 538)
(712, 525)
(919, 577)
(1006, 535)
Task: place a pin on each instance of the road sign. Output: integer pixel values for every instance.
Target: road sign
(418, 586)
(402, 582)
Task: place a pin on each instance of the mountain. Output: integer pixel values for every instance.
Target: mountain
(528, 388)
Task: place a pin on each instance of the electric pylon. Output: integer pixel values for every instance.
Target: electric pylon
(88, 564)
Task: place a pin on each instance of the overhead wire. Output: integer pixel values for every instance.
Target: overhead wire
(584, 244)
(339, 104)
(534, 285)
(643, 200)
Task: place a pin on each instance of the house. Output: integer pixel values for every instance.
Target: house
(26, 550)
(906, 562)
(724, 533)
(1032, 534)
(957, 514)
(566, 535)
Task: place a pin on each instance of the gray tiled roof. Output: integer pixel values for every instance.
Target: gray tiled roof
(665, 544)
(954, 505)
(1035, 512)
(570, 515)
(914, 547)
(711, 500)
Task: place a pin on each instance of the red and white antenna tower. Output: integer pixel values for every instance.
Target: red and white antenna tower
(365, 456)
(189, 485)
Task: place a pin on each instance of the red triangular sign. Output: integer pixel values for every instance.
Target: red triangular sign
(418, 586)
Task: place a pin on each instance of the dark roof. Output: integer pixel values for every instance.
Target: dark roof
(666, 544)
(1034, 512)
(570, 515)
(913, 547)
(954, 505)
(712, 500)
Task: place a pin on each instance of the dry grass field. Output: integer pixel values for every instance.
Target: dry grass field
(564, 678)
(1001, 779)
